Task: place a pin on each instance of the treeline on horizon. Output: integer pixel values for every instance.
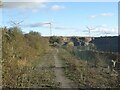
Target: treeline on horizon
(106, 43)
(103, 43)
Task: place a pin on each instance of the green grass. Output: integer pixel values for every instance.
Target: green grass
(86, 55)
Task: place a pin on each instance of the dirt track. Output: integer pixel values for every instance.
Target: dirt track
(60, 76)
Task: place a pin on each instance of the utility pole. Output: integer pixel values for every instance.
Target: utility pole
(106, 33)
(50, 27)
(89, 30)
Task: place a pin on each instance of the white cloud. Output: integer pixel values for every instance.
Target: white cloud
(34, 10)
(102, 30)
(23, 5)
(38, 0)
(106, 14)
(93, 16)
(57, 7)
(102, 14)
(64, 0)
(38, 24)
(33, 6)
(105, 30)
(66, 28)
(47, 25)
(24, 0)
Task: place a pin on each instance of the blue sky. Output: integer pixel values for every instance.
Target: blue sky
(67, 18)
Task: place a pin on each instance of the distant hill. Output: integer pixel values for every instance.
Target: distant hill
(108, 44)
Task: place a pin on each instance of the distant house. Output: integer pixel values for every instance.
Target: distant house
(82, 43)
(65, 43)
(77, 43)
(88, 40)
(65, 39)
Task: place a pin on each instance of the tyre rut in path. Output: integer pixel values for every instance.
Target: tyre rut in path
(60, 76)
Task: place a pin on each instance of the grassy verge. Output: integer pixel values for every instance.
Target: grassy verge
(38, 73)
(85, 74)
